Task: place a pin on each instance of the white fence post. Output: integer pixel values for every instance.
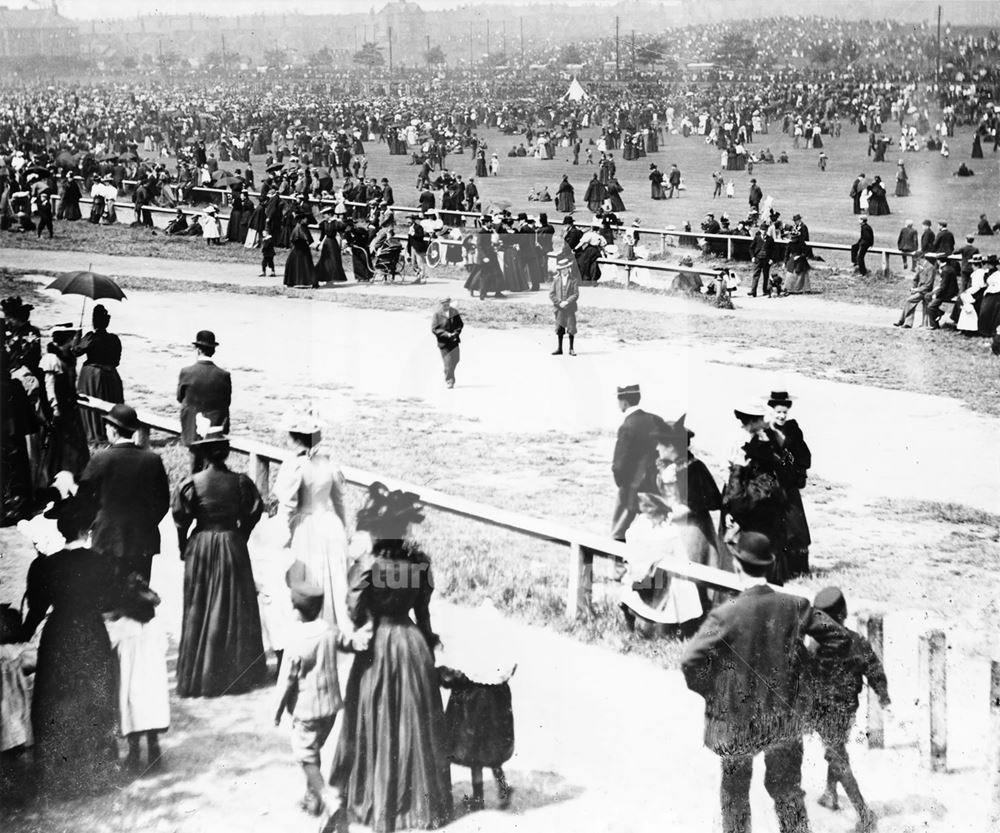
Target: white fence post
(581, 581)
(873, 624)
(933, 688)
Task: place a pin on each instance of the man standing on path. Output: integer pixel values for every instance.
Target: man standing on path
(866, 239)
(447, 328)
(745, 662)
(203, 388)
(564, 294)
(857, 191)
(674, 181)
(128, 486)
(634, 461)
(907, 243)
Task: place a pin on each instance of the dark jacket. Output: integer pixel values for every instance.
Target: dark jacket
(944, 243)
(866, 236)
(129, 486)
(746, 661)
(447, 328)
(203, 388)
(634, 461)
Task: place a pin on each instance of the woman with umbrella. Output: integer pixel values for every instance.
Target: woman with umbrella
(99, 375)
(299, 270)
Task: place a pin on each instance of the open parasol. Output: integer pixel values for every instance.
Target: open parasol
(89, 285)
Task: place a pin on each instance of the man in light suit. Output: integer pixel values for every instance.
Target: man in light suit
(129, 487)
(634, 462)
(745, 661)
(203, 388)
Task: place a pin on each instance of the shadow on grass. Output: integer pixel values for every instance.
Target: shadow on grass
(532, 791)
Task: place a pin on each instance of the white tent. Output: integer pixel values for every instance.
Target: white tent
(576, 92)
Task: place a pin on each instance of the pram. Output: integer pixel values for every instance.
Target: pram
(386, 261)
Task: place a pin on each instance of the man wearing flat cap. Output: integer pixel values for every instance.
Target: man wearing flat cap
(634, 461)
(203, 388)
(447, 328)
(745, 661)
(129, 487)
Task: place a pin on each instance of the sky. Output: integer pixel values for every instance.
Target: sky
(88, 9)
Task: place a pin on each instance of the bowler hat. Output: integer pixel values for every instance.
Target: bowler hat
(205, 338)
(567, 221)
(753, 549)
(208, 435)
(124, 417)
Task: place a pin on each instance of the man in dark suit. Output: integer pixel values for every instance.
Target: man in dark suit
(129, 487)
(745, 661)
(944, 242)
(857, 191)
(866, 239)
(203, 388)
(634, 462)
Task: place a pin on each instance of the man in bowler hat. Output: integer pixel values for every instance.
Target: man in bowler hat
(745, 661)
(129, 487)
(203, 388)
(634, 462)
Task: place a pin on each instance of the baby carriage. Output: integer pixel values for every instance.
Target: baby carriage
(386, 261)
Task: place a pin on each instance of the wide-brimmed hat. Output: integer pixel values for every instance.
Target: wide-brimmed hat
(14, 307)
(205, 338)
(124, 417)
(753, 549)
(564, 260)
(208, 435)
(749, 410)
(79, 508)
(780, 397)
(385, 507)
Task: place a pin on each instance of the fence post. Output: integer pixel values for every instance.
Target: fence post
(260, 471)
(581, 581)
(628, 274)
(995, 741)
(729, 248)
(885, 264)
(933, 688)
(663, 244)
(874, 625)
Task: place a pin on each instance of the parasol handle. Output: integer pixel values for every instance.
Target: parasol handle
(83, 309)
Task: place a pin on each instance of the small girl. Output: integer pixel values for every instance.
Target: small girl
(730, 189)
(17, 660)
(475, 666)
(140, 647)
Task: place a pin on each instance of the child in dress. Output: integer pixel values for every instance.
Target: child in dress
(309, 689)
(836, 676)
(475, 665)
(730, 189)
(17, 661)
(140, 647)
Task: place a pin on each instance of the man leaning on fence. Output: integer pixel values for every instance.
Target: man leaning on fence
(746, 661)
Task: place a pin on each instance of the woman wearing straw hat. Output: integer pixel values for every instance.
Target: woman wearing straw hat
(221, 649)
(310, 493)
(391, 762)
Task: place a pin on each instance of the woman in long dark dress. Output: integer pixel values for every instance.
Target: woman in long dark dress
(391, 763)
(221, 649)
(69, 206)
(588, 252)
(877, 203)
(794, 443)
(99, 375)
(330, 266)
(74, 705)
(299, 265)
(755, 496)
(359, 237)
(565, 198)
(977, 146)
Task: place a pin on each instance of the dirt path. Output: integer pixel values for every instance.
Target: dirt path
(802, 307)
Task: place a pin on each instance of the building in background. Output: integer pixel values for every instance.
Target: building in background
(28, 33)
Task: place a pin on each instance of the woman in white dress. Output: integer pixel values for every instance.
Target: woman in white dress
(310, 493)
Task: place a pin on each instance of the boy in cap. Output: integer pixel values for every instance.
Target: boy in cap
(837, 673)
(309, 686)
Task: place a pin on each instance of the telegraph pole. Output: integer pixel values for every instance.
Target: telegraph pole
(633, 53)
(471, 60)
(937, 70)
(522, 40)
(617, 60)
(223, 53)
(390, 52)
(487, 41)
(504, 41)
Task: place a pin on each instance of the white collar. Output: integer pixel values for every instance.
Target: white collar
(631, 409)
(752, 581)
(205, 359)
